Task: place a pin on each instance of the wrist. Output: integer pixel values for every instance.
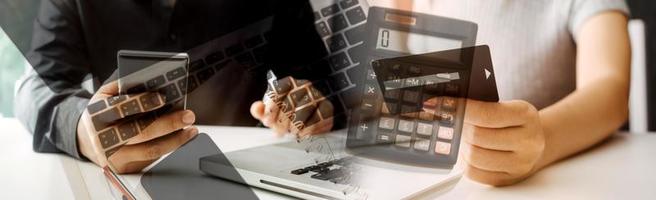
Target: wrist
(82, 139)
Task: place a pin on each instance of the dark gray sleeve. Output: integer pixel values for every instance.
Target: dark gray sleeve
(50, 97)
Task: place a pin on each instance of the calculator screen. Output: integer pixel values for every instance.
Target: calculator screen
(413, 43)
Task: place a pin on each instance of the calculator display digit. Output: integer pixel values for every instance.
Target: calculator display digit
(413, 43)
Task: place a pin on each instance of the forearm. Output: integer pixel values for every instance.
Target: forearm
(584, 118)
(600, 103)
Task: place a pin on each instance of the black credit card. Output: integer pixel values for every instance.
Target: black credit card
(461, 73)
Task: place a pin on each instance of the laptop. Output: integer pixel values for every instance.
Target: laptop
(326, 166)
(339, 165)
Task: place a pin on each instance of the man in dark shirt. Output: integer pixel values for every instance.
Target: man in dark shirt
(74, 58)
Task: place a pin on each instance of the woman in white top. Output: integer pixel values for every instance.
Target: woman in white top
(562, 69)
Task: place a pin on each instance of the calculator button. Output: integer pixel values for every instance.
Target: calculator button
(356, 15)
(424, 129)
(442, 148)
(116, 100)
(155, 82)
(322, 28)
(386, 123)
(446, 118)
(412, 82)
(348, 3)
(406, 126)
(356, 35)
(130, 108)
(337, 23)
(368, 105)
(422, 144)
(392, 94)
(96, 107)
(384, 138)
(336, 43)
(339, 61)
(410, 96)
(300, 97)
(371, 74)
(402, 141)
(365, 130)
(108, 138)
(445, 133)
(127, 130)
(370, 90)
(332, 9)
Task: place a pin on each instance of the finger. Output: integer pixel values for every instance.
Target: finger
(109, 89)
(497, 115)
(153, 149)
(489, 160)
(282, 124)
(488, 177)
(271, 112)
(164, 125)
(322, 126)
(504, 139)
(106, 112)
(134, 166)
(257, 110)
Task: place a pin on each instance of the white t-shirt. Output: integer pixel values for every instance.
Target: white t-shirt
(533, 42)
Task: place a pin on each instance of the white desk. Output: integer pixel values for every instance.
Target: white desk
(621, 168)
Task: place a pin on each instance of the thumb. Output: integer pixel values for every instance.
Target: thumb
(257, 110)
(109, 89)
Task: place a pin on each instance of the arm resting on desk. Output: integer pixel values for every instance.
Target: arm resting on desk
(599, 105)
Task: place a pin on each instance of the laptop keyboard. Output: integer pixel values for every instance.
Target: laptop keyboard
(341, 25)
(337, 171)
